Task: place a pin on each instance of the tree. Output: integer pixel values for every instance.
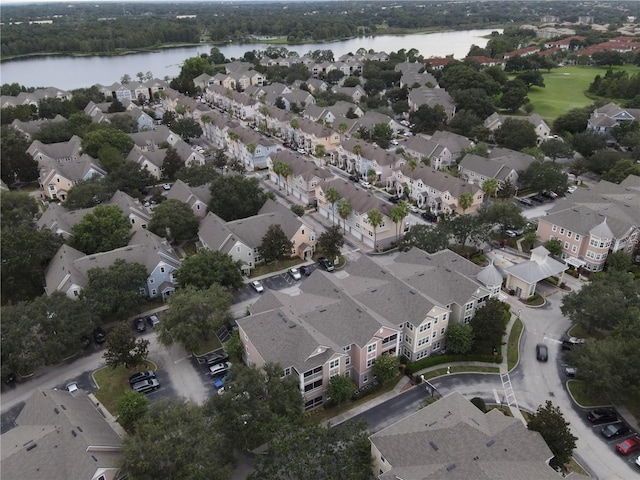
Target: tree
(176, 441)
(574, 121)
(130, 178)
(382, 135)
(490, 186)
(544, 176)
(601, 303)
(504, 214)
(195, 315)
(16, 165)
(283, 170)
(171, 164)
(132, 408)
(506, 190)
(372, 176)
(516, 134)
(550, 423)
(187, 128)
(116, 289)
(397, 214)
(196, 175)
(123, 349)
(234, 197)
(427, 237)
(587, 143)
(514, 95)
(428, 119)
(465, 201)
(375, 219)
(208, 267)
(621, 170)
(104, 229)
(465, 228)
(620, 261)
(344, 210)
(556, 148)
(275, 245)
(460, 338)
(332, 196)
(174, 219)
(331, 241)
(96, 139)
(554, 246)
(340, 389)
(258, 403)
(385, 368)
(489, 325)
(311, 452)
(297, 209)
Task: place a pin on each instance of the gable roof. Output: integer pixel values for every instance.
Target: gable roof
(362, 201)
(60, 435)
(453, 439)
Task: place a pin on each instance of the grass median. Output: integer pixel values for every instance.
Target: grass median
(514, 342)
(113, 382)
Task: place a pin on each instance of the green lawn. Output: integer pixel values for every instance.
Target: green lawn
(113, 382)
(208, 346)
(512, 346)
(585, 397)
(460, 369)
(564, 89)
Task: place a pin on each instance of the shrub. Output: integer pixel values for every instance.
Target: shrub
(413, 367)
(298, 210)
(479, 402)
(552, 280)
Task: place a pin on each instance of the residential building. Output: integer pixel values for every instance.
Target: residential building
(60, 220)
(437, 191)
(355, 155)
(31, 127)
(432, 97)
(241, 238)
(591, 223)
(476, 169)
(523, 277)
(603, 119)
(196, 197)
(58, 434)
(305, 176)
(250, 147)
(453, 439)
(542, 129)
(68, 270)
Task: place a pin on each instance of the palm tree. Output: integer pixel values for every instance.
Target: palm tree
(279, 169)
(344, 210)
(412, 164)
(206, 120)
(332, 197)
(286, 173)
(357, 149)
(372, 176)
(490, 186)
(294, 123)
(375, 220)
(398, 213)
(465, 201)
(342, 128)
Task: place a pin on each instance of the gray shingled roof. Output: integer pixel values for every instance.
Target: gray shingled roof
(452, 439)
(539, 267)
(510, 158)
(67, 431)
(441, 181)
(213, 232)
(361, 201)
(454, 142)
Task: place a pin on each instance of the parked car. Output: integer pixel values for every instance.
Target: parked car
(566, 345)
(305, 270)
(430, 217)
(295, 273)
(365, 184)
(221, 380)
(146, 386)
(99, 335)
(257, 286)
(394, 199)
(570, 371)
(153, 320)
(526, 202)
(72, 387)
(353, 178)
(217, 357)
(325, 264)
(577, 341)
(139, 324)
(630, 445)
(166, 186)
(638, 461)
(394, 142)
(572, 189)
(541, 352)
(140, 376)
(511, 233)
(602, 415)
(549, 194)
(219, 368)
(615, 430)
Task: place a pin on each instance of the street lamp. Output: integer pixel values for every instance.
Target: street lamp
(519, 312)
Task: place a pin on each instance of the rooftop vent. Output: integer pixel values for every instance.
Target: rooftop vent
(322, 310)
(490, 442)
(412, 292)
(57, 411)
(433, 445)
(63, 407)
(73, 432)
(448, 269)
(475, 421)
(451, 467)
(30, 445)
(447, 415)
(358, 310)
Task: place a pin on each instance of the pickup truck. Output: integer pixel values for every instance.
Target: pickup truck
(630, 445)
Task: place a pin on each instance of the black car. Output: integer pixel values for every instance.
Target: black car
(139, 324)
(541, 352)
(305, 270)
(538, 198)
(602, 415)
(325, 264)
(394, 199)
(140, 376)
(353, 178)
(99, 336)
(615, 430)
(567, 345)
(430, 217)
(217, 357)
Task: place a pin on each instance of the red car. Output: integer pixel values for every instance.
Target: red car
(630, 445)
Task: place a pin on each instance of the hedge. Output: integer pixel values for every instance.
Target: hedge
(413, 367)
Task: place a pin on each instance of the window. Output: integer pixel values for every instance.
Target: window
(365, 378)
(161, 269)
(467, 319)
(566, 245)
(151, 280)
(424, 340)
(154, 292)
(313, 385)
(569, 234)
(577, 237)
(436, 346)
(574, 249)
(554, 228)
(425, 326)
(347, 348)
(313, 371)
(316, 402)
(562, 231)
(287, 371)
(334, 363)
(434, 335)
(442, 331)
(410, 326)
(347, 361)
(468, 306)
(370, 362)
(408, 339)
(371, 348)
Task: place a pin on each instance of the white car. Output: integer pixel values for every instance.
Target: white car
(302, 151)
(166, 186)
(572, 189)
(219, 368)
(414, 209)
(365, 184)
(295, 273)
(394, 142)
(257, 286)
(72, 387)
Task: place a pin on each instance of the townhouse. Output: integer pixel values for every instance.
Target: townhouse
(340, 323)
(357, 223)
(355, 155)
(31, 127)
(542, 129)
(433, 190)
(196, 197)
(241, 238)
(33, 98)
(68, 270)
(502, 164)
(432, 97)
(305, 175)
(329, 114)
(591, 223)
(240, 105)
(438, 151)
(249, 147)
(310, 135)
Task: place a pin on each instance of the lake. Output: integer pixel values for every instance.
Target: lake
(76, 72)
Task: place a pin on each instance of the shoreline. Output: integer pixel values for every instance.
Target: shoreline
(274, 42)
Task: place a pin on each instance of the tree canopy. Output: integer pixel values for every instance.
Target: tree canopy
(550, 423)
(123, 349)
(275, 245)
(331, 241)
(104, 229)
(543, 175)
(234, 197)
(208, 267)
(174, 219)
(489, 325)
